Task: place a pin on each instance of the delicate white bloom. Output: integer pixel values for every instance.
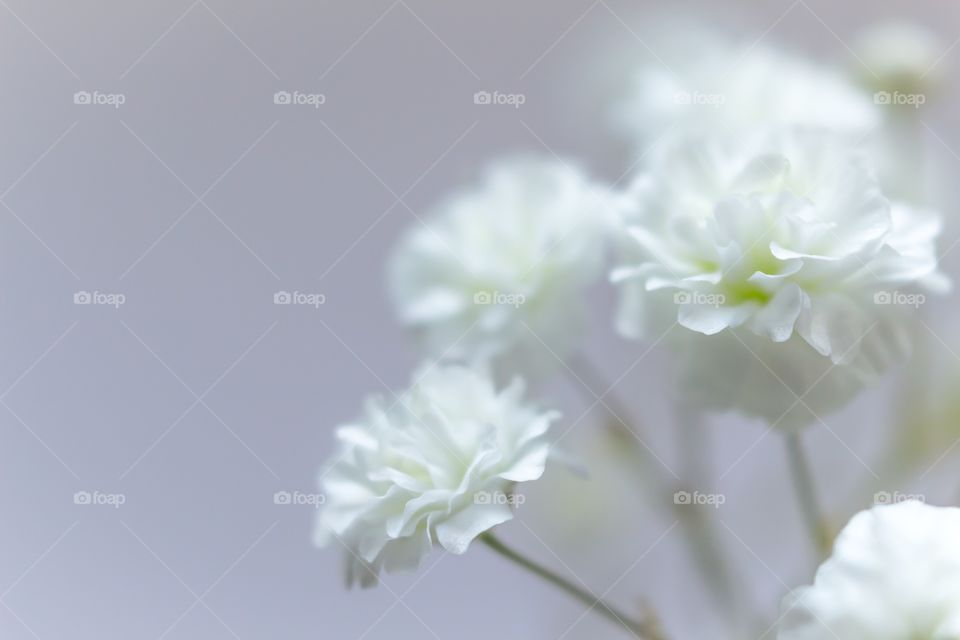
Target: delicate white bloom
(902, 65)
(781, 235)
(439, 465)
(894, 574)
(898, 56)
(499, 272)
(707, 85)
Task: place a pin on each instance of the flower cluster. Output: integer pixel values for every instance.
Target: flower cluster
(772, 232)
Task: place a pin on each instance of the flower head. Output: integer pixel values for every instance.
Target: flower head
(705, 84)
(898, 56)
(894, 574)
(782, 235)
(498, 272)
(437, 466)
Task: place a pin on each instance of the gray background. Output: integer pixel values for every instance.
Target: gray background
(199, 398)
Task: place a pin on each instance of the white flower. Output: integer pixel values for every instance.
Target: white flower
(439, 465)
(499, 271)
(898, 56)
(781, 235)
(704, 84)
(894, 574)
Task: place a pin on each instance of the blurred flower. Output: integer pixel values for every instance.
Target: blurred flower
(898, 56)
(498, 274)
(702, 83)
(437, 466)
(902, 64)
(787, 384)
(894, 574)
(778, 234)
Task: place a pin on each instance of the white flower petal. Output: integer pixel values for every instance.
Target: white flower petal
(457, 532)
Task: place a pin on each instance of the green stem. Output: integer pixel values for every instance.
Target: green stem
(644, 630)
(807, 495)
(699, 524)
(699, 529)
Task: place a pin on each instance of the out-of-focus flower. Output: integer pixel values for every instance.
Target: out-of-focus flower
(499, 272)
(779, 234)
(787, 384)
(898, 57)
(894, 574)
(439, 465)
(708, 85)
(902, 65)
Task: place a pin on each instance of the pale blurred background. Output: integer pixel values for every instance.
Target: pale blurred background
(198, 398)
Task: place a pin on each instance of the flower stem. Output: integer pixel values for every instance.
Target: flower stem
(807, 495)
(644, 630)
(699, 529)
(699, 525)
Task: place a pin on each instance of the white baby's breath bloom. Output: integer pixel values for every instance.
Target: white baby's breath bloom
(903, 65)
(779, 234)
(786, 237)
(898, 56)
(437, 466)
(702, 83)
(499, 271)
(894, 574)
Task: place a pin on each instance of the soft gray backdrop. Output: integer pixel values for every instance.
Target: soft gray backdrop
(198, 398)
